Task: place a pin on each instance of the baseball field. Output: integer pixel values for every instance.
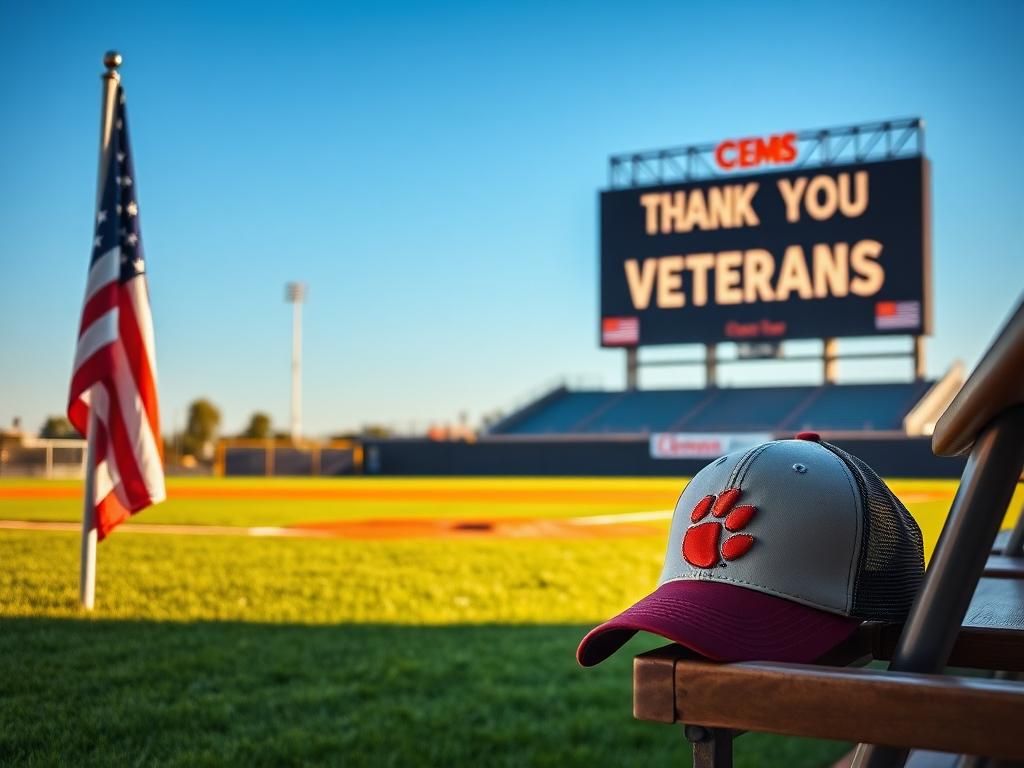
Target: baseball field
(350, 621)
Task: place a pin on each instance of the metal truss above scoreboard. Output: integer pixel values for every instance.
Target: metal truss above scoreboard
(865, 142)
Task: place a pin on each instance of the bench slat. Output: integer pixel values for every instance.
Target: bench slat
(959, 715)
(1003, 567)
(997, 604)
(993, 633)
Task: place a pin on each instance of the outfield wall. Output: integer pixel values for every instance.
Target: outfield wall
(899, 457)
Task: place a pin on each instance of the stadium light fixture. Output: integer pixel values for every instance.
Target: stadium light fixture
(295, 294)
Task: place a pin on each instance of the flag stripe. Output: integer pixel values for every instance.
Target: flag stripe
(106, 478)
(103, 271)
(82, 384)
(122, 449)
(109, 514)
(101, 332)
(139, 362)
(138, 294)
(139, 433)
(109, 510)
(104, 300)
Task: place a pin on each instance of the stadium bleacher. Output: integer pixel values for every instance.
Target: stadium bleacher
(747, 410)
(859, 407)
(650, 411)
(828, 407)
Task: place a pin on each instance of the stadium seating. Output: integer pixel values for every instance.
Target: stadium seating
(859, 406)
(748, 410)
(830, 407)
(650, 411)
(559, 415)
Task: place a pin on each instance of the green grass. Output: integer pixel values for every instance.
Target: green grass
(247, 651)
(212, 694)
(213, 651)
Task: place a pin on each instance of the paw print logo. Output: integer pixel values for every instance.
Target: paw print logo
(701, 542)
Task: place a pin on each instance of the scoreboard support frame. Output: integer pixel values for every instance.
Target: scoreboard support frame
(632, 368)
(829, 359)
(711, 365)
(919, 358)
(821, 148)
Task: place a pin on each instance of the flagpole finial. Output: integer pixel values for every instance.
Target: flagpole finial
(112, 60)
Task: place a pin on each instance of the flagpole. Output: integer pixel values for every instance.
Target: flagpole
(87, 581)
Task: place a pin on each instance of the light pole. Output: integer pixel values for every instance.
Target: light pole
(295, 294)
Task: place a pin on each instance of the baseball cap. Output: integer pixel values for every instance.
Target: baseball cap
(776, 553)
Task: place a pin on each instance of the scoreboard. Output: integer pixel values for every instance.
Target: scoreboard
(838, 250)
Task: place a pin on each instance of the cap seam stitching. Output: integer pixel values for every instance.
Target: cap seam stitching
(743, 465)
(754, 456)
(730, 482)
(847, 473)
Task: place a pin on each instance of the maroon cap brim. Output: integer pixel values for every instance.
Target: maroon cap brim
(723, 622)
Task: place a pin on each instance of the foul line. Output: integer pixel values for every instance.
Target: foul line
(188, 530)
(625, 517)
(270, 531)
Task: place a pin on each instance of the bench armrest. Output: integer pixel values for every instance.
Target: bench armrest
(995, 385)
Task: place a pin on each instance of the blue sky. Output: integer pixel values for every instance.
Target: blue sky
(431, 171)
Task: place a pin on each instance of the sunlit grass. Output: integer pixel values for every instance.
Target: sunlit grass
(247, 651)
(208, 501)
(322, 581)
(218, 650)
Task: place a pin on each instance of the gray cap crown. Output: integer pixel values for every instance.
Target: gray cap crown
(807, 527)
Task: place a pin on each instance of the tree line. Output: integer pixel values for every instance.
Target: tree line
(197, 439)
(202, 428)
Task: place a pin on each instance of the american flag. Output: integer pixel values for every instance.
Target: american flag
(620, 331)
(893, 315)
(114, 374)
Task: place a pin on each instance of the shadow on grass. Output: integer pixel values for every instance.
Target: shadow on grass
(87, 692)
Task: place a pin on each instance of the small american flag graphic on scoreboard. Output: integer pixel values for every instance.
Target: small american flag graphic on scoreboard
(620, 331)
(890, 315)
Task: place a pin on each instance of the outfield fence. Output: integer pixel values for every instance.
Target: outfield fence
(42, 457)
(277, 457)
(625, 456)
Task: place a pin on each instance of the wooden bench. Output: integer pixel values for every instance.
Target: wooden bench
(958, 619)
(832, 701)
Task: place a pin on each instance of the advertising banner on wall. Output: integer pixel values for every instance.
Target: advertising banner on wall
(699, 445)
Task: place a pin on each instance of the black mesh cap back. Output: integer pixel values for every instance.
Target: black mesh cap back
(891, 563)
